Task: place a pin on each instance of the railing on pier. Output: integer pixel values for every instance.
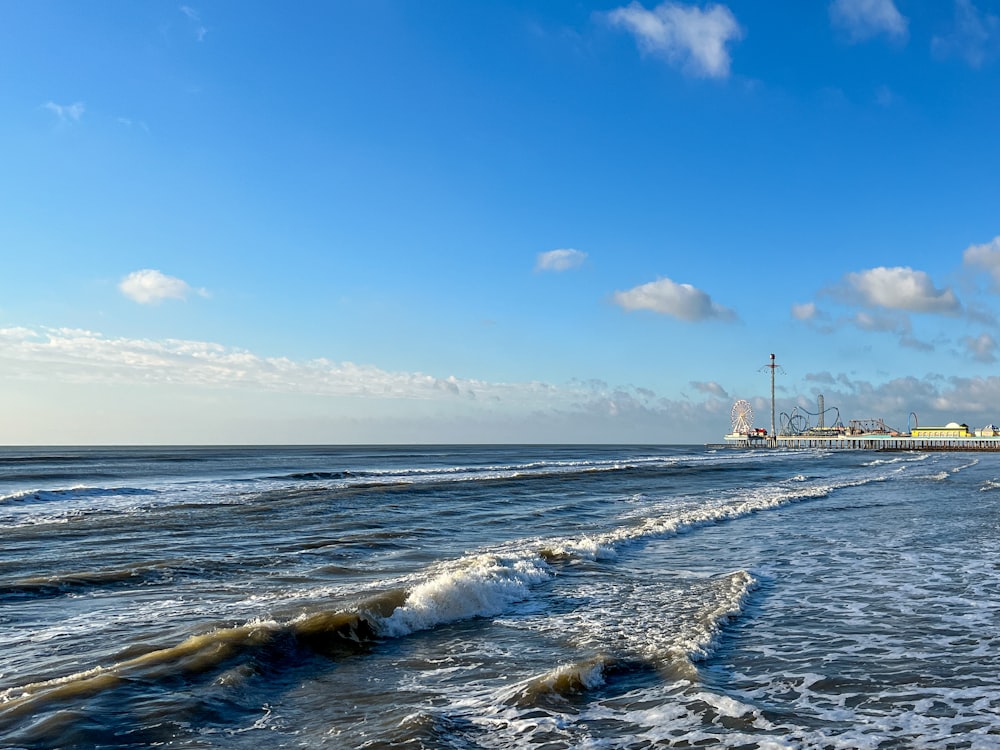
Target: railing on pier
(870, 443)
(891, 443)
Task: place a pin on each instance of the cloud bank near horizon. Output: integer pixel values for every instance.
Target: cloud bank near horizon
(352, 402)
(83, 356)
(454, 409)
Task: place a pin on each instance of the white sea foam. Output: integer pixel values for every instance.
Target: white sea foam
(32, 506)
(70, 494)
(623, 630)
(883, 461)
(968, 465)
(59, 505)
(463, 473)
(676, 521)
(477, 586)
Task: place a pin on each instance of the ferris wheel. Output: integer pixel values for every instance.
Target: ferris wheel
(742, 416)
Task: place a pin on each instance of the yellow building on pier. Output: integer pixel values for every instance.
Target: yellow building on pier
(950, 430)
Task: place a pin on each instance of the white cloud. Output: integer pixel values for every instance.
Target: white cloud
(864, 19)
(66, 111)
(975, 37)
(195, 18)
(901, 288)
(679, 300)
(150, 287)
(982, 348)
(985, 256)
(804, 311)
(711, 387)
(694, 39)
(560, 260)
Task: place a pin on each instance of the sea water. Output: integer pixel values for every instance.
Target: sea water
(498, 597)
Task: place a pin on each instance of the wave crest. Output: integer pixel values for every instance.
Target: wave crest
(478, 586)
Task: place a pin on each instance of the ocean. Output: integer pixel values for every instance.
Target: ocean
(498, 597)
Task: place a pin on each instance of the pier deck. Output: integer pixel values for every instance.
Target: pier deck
(868, 443)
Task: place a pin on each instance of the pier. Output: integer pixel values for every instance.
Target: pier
(797, 431)
(867, 443)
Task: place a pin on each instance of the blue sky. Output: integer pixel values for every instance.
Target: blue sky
(372, 221)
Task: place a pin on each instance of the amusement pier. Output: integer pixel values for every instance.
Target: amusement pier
(824, 429)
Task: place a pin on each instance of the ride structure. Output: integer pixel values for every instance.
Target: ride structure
(772, 366)
(741, 418)
(824, 428)
(799, 421)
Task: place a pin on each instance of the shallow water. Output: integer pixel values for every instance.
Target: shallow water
(498, 597)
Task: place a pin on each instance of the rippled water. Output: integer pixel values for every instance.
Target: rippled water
(498, 597)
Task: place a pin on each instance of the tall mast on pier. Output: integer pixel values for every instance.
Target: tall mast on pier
(772, 367)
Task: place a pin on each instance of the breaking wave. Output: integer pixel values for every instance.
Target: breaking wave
(605, 546)
(73, 493)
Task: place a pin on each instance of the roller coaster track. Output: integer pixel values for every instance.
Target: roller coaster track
(798, 421)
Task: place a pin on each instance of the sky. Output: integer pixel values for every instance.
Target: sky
(387, 221)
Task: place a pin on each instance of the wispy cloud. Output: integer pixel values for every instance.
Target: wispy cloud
(882, 322)
(865, 19)
(805, 311)
(560, 260)
(681, 301)
(128, 122)
(66, 111)
(975, 36)
(900, 288)
(889, 321)
(694, 39)
(195, 18)
(150, 287)
(912, 342)
(982, 348)
(711, 387)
